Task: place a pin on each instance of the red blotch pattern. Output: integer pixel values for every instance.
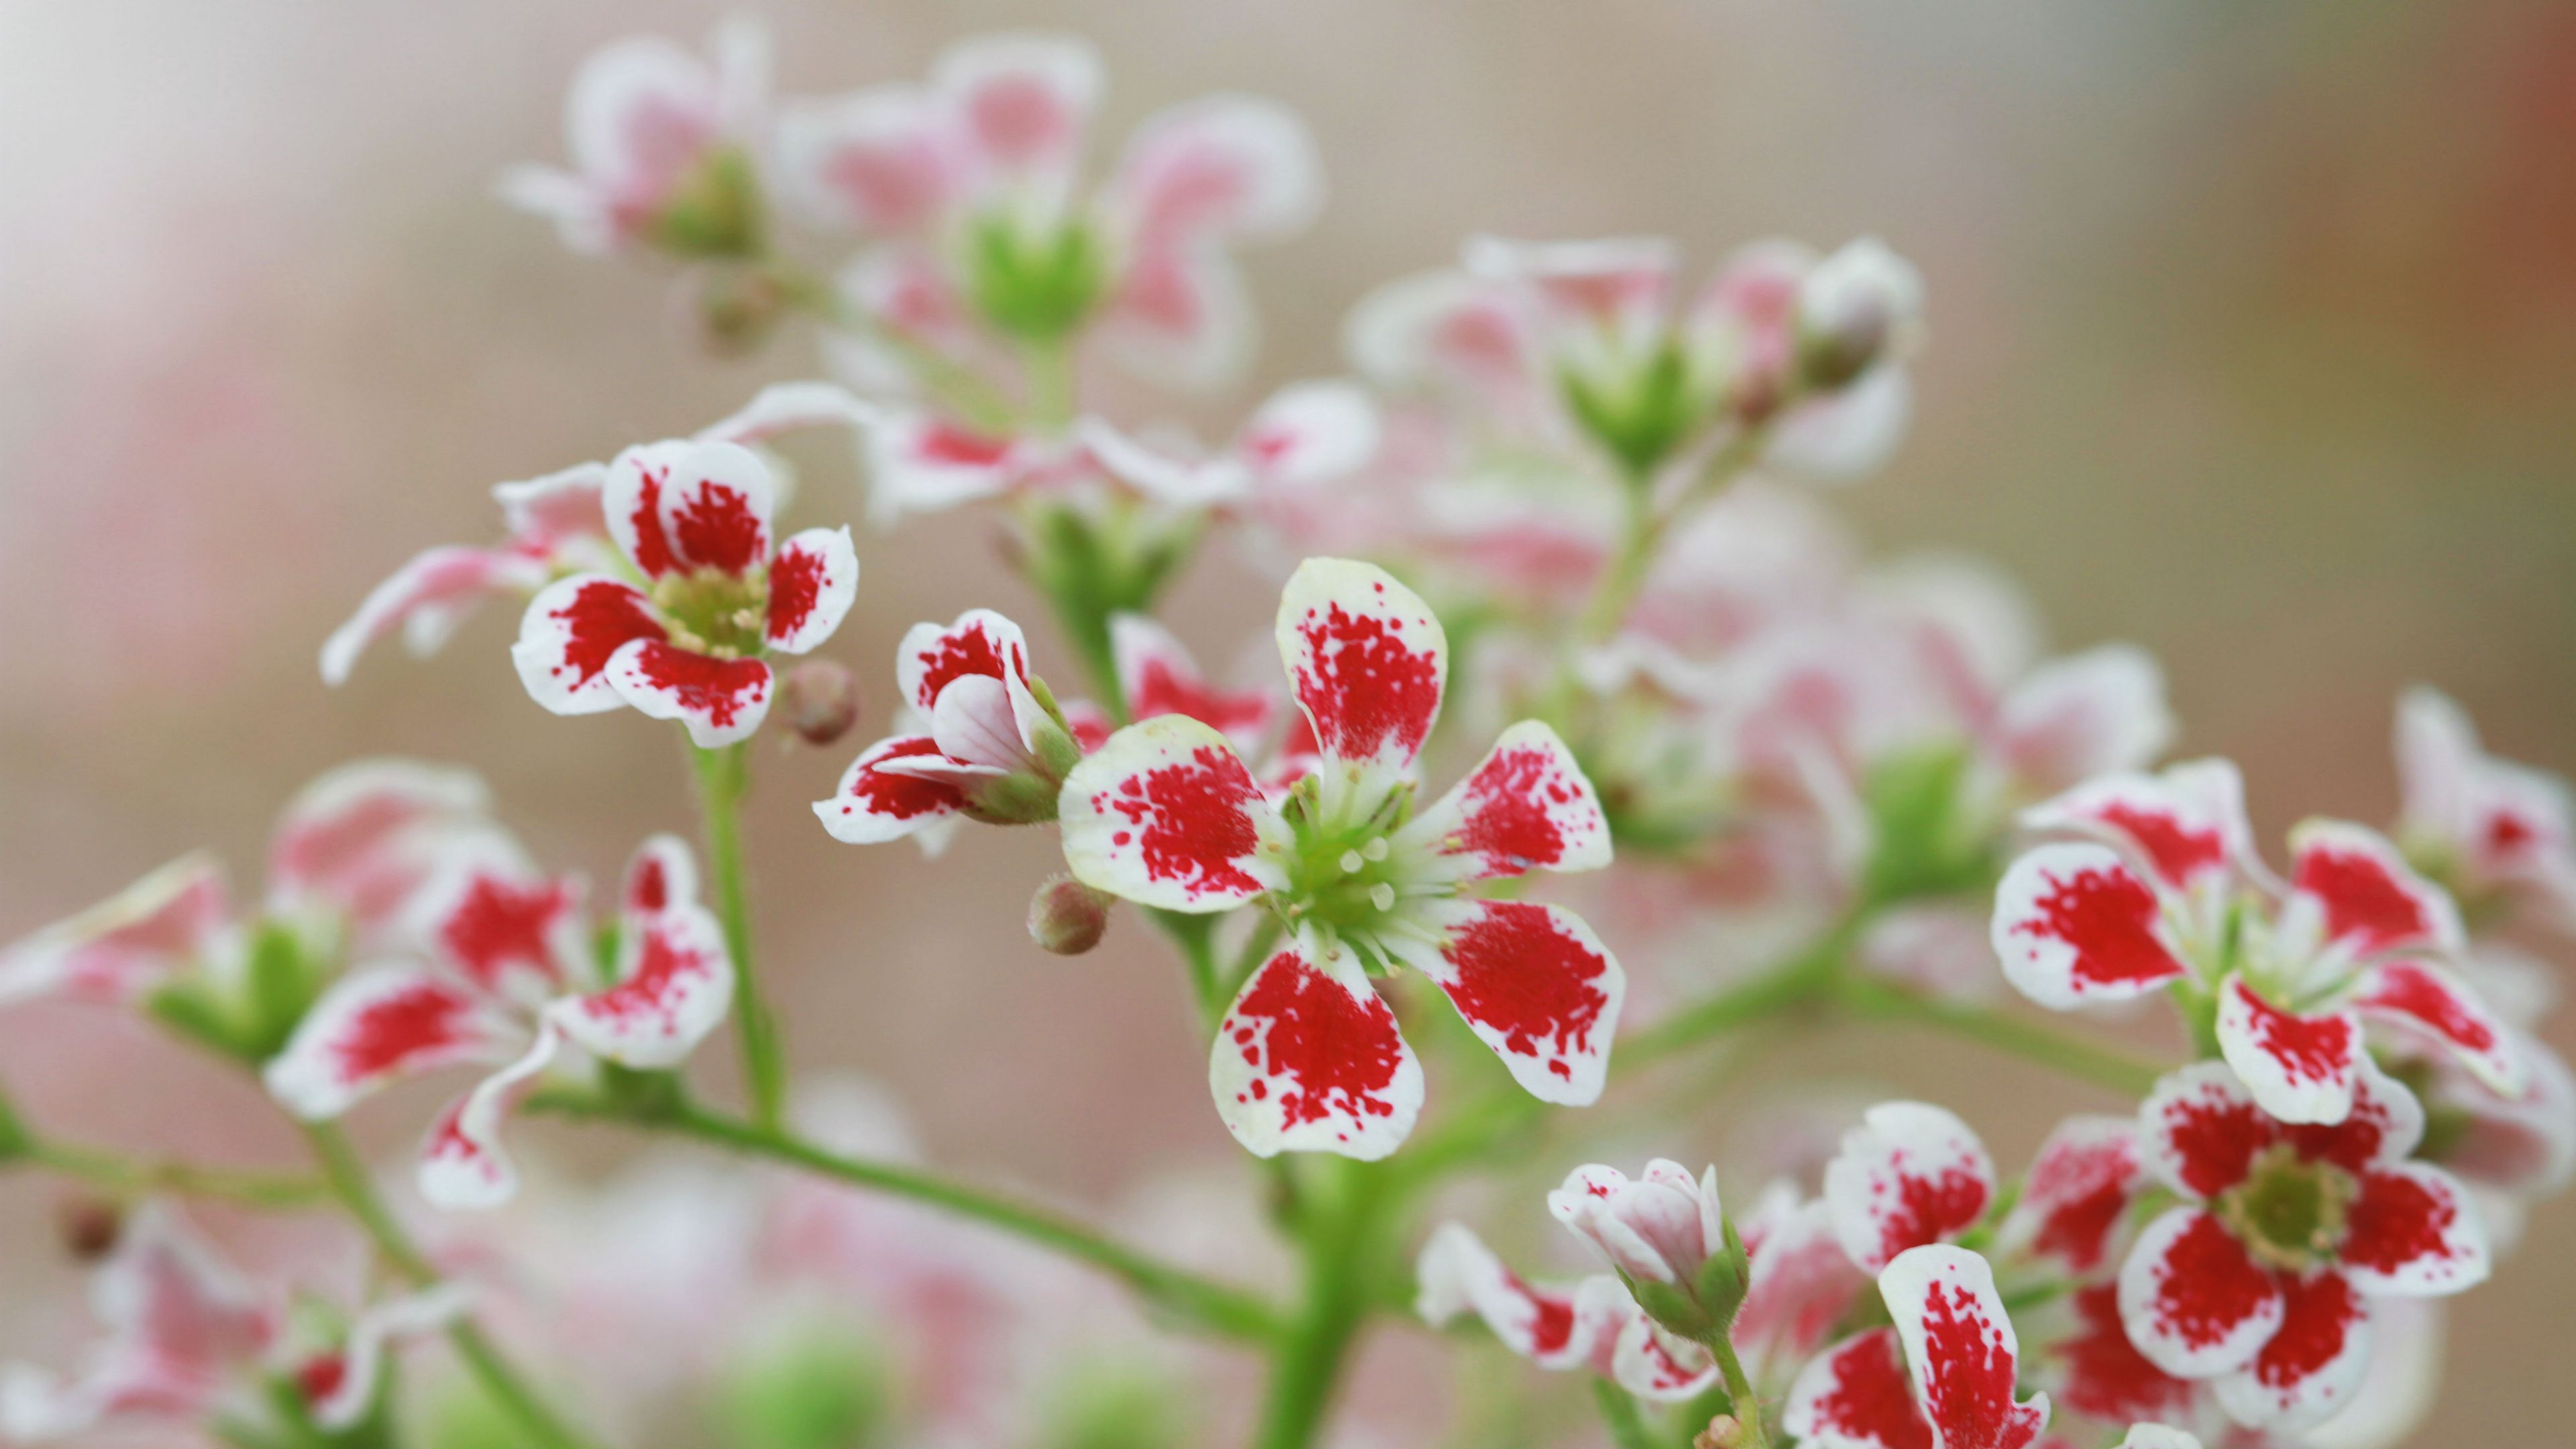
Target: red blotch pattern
(717, 526)
(652, 546)
(1366, 688)
(1516, 974)
(959, 653)
(499, 926)
(2398, 1222)
(2087, 1185)
(2308, 1048)
(2177, 851)
(2413, 992)
(2214, 1137)
(1331, 1055)
(900, 797)
(796, 582)
(2104, 1375)
(1871, 1397)
(603, 617)
(1968, 1375)
(948, 445)
(716, 690)
(1510, 805)
(2362, 900)
(1188, 821)
(2109, 917)
(2209, 1286)
(393, 1031)
(650, 995)
(2319, 1312)
(1163, 689)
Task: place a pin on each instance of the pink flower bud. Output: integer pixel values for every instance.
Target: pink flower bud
(821, 701)
(1066, 916)
(1660, 1228)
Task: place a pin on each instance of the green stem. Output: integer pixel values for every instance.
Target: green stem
(722, 776)
(357, 1193)
(1803, 981)
(1646, 525)
(1051, 395)
(1195, 937)
(1203, 1303)
(2075, 1056)
(1337, 1229)
(1620, 1415)
(1743, 1403)
(127, 1176)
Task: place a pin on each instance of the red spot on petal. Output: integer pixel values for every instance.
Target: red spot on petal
(1190, 820)
(1517, 974)
(652, 546)
(2362, 899)
(321, 1376)
(1871, 1397)
(1162, 689)
(2398, 1221)
(1366, 688)
(796, 582)
(2177, 851)
(2109, 917)
(1507, 810)
(1342, 1052)
(2308, 1048)
(718, 527)
(2216, 1139)
(959, 653)
(503, 926)
(2103, 1374)
(1968, 1375)
(2209, 1286)
(951, 446)
(903, 797)
(717, 690)
(603, 617)
(391, 1031)
(2411, 991)
(2320, 1312)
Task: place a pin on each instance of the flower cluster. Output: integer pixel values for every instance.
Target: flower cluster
(1555, 541)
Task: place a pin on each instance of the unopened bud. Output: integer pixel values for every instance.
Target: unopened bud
(820, 700)
(1723, 1432)
(734, 309)
(89, 1225)
(1859, 306)
(1067, 917)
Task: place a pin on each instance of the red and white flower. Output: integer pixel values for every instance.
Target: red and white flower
(507, 981)
(2493, 830)
(2263, 1278)
(1590, 1324)
(1909, 1174)
(974, 180)
(1661, 1227)
(1166, 813)
(1942, 1377)
(2164, 888)
(187, 1335)
(1304, 434)
(985, 748)
(653, 129)
(682, 634)
(553, 525)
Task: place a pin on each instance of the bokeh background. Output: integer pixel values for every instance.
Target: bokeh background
(2254, 341)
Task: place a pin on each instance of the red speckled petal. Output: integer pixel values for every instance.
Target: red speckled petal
(465, 1166)
(674, 984)
(2195, 1304)
(513, 932)
(2351, 882)
(381, 1024)
(2094, 1370)
(980, 642)
(2201, 1129)
(811, 584)
(2187, 824)
(1366, 659)
(572, 629)
(2423, 999)
(127, 944)
(360, 840)
(435, 588)
(873, 805)
(683, 505)
(1526, 807)
(2074, 924)
(722, 701)
(2313, 1364)
(1166, 815)
(2078, 1192)
(2299, 1066)
(918, 463)
(1552, 1327)
(661, 875)
(1858, 1397)
(1910, 1174)
(1659, 1367)
(1308, 1059)
(1961, 1346)
(2413, 1232)
(1534, 984)
(1158, 677)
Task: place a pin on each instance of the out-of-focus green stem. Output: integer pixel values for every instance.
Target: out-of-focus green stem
(722, 776)
(357, 1193)
(1339, 1225)
(117, 1173)
(2075, 1056)
(1648, 521)
(1626, 1426)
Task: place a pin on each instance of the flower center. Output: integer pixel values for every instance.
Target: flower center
(2290, 1213)
(1343, 874)
(713, 612)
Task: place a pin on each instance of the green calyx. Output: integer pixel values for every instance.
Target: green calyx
(1034, 281)
(2290, 1213)
(1641, 410)
(250, 1014)
(1927, 842)
(1702, 1307)
(713, 612)
(716, 212)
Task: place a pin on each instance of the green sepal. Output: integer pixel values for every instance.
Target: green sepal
(1641, 414)
(280, 985)
(716, 212)
(1926, 845)
(1034, 283)
(1020, 798)
(1673, 1306)
(1721, 1282)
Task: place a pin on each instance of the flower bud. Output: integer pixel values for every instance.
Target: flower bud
(1666, 1237)
(820, 701)
(89, 1225)
(1066, 916)
(1723, 1432)
(733, 310)
(1859, 307)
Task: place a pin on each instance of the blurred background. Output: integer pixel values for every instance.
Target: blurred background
(2254, 341)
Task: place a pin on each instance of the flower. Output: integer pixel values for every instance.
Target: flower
(2262, 1278)
(970, 184)
(1308, 1057)
(2165, 888)
(1943, 1376)
(1157, 676)
(990, 748)
(660, 143)
(504, 977)
(2494, 831)
(187, 1335)
(1666, 1236)
(681, 634)
(1910, 1174)
(553, 525)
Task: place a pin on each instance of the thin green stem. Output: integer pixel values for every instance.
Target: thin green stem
(1647, 524)
(1051, 393)
(1338, 1228)
(1620, 1415)
(1200, 1302)
(2076, 1056)
(722, 777)
(1803, 981)
(1743, 1403)
(1195, 937)
(124, 1175)
(356, 1190)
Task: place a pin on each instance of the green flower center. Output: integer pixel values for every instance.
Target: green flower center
(713, 612)
(2290, 1213)
(1344, 875)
